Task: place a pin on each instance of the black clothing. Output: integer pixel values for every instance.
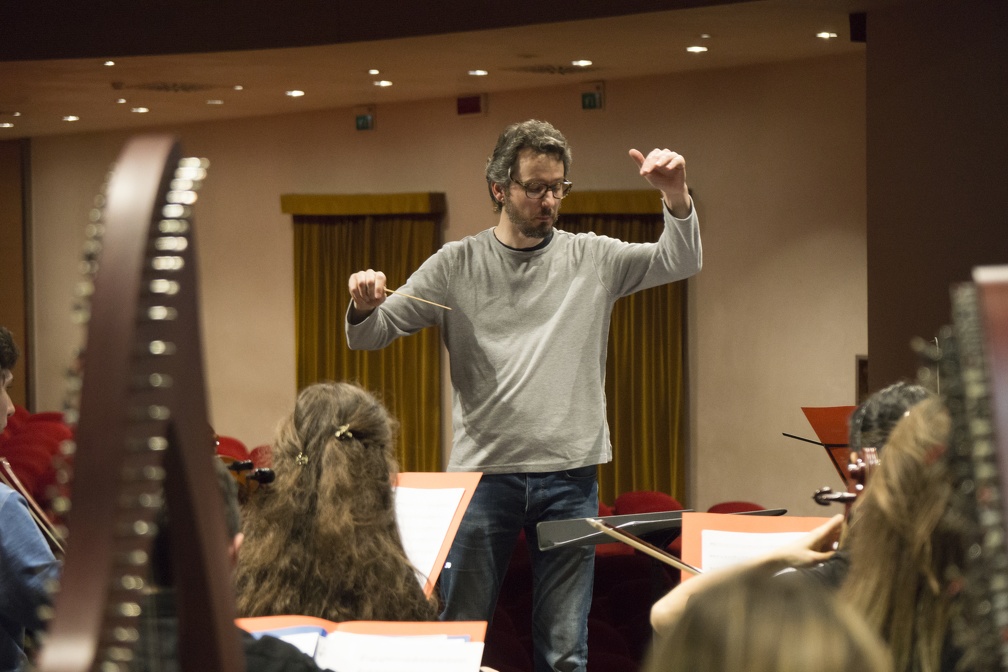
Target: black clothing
(157, 648)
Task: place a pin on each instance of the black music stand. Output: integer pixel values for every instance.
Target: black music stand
(555, 534)
(659, 528)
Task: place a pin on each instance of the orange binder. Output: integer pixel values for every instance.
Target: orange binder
(467, 481)
(694, 524)
(830, 424)
(474, 631)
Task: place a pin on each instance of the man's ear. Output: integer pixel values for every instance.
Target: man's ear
(497, 191)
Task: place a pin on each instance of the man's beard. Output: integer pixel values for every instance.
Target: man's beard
(529, 227)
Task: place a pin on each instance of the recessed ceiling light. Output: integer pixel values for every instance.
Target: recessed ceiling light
(374, 71)
(825, 35)
(696, 49)
(478, 73)
(383, 83)
(140, 110)
(120, 100)
(108, 64)
(704, 36)
(215, 101)
(15, 114)
(583, 63)
(6, 124)
(238, 87)
(71, 117)
(295, 93)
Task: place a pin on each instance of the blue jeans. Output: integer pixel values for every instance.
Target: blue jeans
(502, 505)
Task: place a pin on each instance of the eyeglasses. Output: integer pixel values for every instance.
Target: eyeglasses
(537, 190)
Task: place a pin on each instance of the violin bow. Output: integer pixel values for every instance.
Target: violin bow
(642, 546)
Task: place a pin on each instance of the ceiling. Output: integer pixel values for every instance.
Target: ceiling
(37, 90)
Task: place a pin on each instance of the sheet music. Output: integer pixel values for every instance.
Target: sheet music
(424, 516)
(306, 642)
(721, 549)
(350, 652)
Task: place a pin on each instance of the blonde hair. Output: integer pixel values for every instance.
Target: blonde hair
(758, 622)
(903, 542)
(323, 540)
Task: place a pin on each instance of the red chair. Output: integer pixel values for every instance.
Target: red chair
(232, 447)
(735, 506)
(645, 501)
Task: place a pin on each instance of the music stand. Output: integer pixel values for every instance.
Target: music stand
(658, 527)
(830, 425)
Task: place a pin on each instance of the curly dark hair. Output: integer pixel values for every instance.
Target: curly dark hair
(9, 352)
(539, 136)
(874, 419)
(323, 540)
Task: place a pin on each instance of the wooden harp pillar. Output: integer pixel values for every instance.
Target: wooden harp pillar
(143, 433)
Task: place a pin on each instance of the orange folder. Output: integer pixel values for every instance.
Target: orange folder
(474, 631)
(693, 525)
(830, 424)
(467, 480)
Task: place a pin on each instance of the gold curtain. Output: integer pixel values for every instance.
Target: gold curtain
(644, 366)
(335, 236)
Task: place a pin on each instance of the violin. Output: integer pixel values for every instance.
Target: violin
(247, 476)
(861, 465)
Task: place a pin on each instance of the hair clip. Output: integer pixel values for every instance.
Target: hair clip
(343, 432)
(301, 459)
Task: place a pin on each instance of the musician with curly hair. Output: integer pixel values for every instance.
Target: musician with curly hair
(323, 539)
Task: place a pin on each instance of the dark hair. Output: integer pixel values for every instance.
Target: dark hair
(323, 540)
(539, 136)
(160, 562)
(874, 419)
(9, 352)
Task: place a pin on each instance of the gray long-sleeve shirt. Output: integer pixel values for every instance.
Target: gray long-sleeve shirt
(527, 337)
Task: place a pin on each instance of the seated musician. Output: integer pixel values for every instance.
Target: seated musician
(906, 544)
(323, 540)
(870, 425)
(27, 564)
(157, 648)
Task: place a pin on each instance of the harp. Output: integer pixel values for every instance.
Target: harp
(142, 431)
(973, 364)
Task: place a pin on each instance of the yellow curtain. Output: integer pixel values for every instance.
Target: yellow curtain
(327, 249)
(644, 369)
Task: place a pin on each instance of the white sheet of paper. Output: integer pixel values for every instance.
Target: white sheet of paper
(351, 652)
(721, 549)
(307, 642)
(424, 515)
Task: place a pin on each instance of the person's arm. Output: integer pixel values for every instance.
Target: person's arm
(816, 546)
(28, 564)
(374, 318)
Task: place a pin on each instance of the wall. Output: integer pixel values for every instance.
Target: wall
(937, 142)
(12, 262)
(775, 155)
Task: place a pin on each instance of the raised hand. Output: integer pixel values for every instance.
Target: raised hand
(665, 170)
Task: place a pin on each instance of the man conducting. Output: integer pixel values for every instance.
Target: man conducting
(527, 335)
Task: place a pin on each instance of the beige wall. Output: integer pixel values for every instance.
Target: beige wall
(776, 156)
